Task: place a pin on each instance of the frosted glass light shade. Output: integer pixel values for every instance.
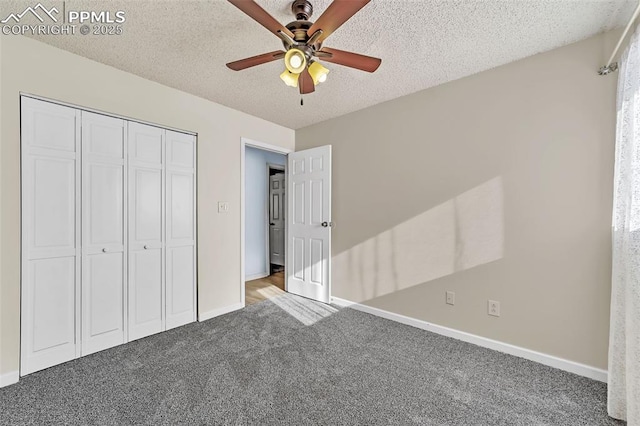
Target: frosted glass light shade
(289, 78)
(318, 72)
(295, 60)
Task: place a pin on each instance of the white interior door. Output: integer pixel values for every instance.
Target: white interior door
(50, 235)
(276, 218)
(103, 234)
(181, 229)
(146, 224)
(309, 223)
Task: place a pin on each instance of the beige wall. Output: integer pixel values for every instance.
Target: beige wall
(32, 67)
(496, 186)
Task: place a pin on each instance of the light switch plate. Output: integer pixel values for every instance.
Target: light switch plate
(450, 298)
(223, 206)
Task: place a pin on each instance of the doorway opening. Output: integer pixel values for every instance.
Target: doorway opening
(302, 214)
(272, 285)
(265, 223)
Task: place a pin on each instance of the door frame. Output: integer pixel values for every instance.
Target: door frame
(271, 166)
(244, 143)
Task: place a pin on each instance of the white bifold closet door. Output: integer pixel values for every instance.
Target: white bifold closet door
(50, 234)
(108, 232)
(162, 241)
(181, 229)
(146, 230)
(103, 232)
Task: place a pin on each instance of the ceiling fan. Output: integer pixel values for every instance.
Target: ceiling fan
(303, 40)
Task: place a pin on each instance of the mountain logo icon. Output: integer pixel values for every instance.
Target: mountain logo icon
(34, 11)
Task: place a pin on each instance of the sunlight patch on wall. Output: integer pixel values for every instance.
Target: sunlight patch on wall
(461, 233)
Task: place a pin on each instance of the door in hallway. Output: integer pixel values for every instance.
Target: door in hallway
(276, 218)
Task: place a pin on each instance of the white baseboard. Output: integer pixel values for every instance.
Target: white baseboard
(220, 311)
(542, 358)
(256, 276)
(7, 379)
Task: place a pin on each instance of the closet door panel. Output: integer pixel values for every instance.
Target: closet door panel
(105, 205)
(180, 207)
(102, 302)
(181, 229)
(146, 144)
(49, 126)
(103, 136)
(49, 313)
(145, 274)
(50, 185)
(180, 150)
(146, 293)
(146, 202)
(52, 196)
(146, 231)
(103, 240)
(180, 286)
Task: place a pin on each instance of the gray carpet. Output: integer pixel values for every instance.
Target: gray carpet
(294, 362)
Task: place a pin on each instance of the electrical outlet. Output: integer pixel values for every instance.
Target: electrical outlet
(451, 298)
(493, 308)
(223, 207)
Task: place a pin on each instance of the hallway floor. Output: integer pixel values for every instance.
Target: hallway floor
(264, 288)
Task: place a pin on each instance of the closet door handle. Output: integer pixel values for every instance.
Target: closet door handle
(104, 250)
(145, 247)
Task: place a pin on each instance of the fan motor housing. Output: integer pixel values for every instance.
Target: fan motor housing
(299, 29)
(302, 9)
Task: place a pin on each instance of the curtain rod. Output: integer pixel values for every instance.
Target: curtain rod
(613, 66)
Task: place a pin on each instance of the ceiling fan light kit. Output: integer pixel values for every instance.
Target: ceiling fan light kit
(318, 72)
(295, 60)
(303, 40)
(289, 78)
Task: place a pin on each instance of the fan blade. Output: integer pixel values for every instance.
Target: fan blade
(260, 15)
(306, 83)
(336, 14)
(256, 60)
(353, 60)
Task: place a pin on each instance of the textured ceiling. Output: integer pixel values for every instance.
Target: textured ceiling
(423, 43)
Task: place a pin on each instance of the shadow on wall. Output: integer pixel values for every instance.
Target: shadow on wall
(461, 233)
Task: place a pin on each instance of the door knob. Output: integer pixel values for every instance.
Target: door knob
(327, 224)
(272, 224)
(104, 250)
(145, 247)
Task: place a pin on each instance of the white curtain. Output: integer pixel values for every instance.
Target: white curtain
(624, 340)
